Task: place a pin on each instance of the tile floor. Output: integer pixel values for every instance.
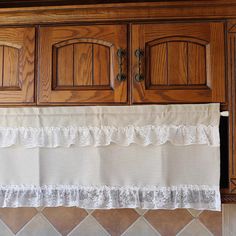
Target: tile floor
(73, 221)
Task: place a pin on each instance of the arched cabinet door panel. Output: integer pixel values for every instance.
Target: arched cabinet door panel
(17, 49)
(178, 62)
(81, 65)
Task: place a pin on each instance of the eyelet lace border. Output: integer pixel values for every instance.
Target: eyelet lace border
(199, 197)
(102, 136)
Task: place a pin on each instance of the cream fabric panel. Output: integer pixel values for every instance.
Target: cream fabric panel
(153, 157)
(101, 126)
(19, 166)
(118, 116)
(165, 165)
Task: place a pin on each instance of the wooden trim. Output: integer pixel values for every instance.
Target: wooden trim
(233, 185)
(33, 3)
(228, 198)
(231, 39)
(214, 9)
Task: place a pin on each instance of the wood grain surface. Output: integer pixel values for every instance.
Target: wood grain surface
(183, 62)
(84, 65)
(17, 53)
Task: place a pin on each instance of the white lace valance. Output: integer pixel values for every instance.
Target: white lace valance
(101, 126)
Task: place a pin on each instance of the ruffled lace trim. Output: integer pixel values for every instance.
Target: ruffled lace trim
(105, 135)
(106, 197)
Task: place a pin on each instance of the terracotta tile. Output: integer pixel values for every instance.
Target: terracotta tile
(141, 228)
(64, 219)
(213, 221)
(168, 222)
(16, 218)
(116, 221)
(195, 228)
(89, 227)
(38, 226)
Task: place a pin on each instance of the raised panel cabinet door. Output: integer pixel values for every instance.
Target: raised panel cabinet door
(83, 65)
(17, 53)
(178, 62)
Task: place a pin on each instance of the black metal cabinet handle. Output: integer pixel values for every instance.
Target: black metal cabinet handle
(121, 53)
(139, 53)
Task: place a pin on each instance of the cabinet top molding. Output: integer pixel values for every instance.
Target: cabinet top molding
(214, 9)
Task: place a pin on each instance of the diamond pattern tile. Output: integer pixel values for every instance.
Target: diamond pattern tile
(194, 213)
(116, 221)
(168, 222)
(39, 209)
(213, 221)
(16, 218)
(89, 210)
(141, 211)
(64, 219)
(71, 221)
(89, 227)
(195, 228)
(38, 226)
(141, 228)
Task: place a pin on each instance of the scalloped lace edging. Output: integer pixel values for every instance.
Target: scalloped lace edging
(102, 136)
(107, 197)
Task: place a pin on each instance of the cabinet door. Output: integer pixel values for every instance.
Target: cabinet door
(80, 64)
(17, 48)
(178, 62)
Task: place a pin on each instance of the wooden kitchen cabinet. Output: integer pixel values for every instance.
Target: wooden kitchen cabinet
(170, 63)
(171, 52)
(178, 62)
(83, 64)
(17, 53)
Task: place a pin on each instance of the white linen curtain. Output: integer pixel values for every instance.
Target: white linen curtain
(152, 157)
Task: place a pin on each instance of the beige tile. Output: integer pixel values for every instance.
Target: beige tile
(141, 211)
(194, 213)
(195, 228)
(116, 221)
(229, 219)
(141, 228)
(4, 231)
(89, 227)
(38, 226)
(90, 211)
(168, 222)
(39, 209)
(16, 218)
(64, 219)
(213, 221)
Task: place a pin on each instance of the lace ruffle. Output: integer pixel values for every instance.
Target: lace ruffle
(105, 135)
(106, 197)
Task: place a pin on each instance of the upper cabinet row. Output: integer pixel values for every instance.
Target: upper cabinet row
(108, 64)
